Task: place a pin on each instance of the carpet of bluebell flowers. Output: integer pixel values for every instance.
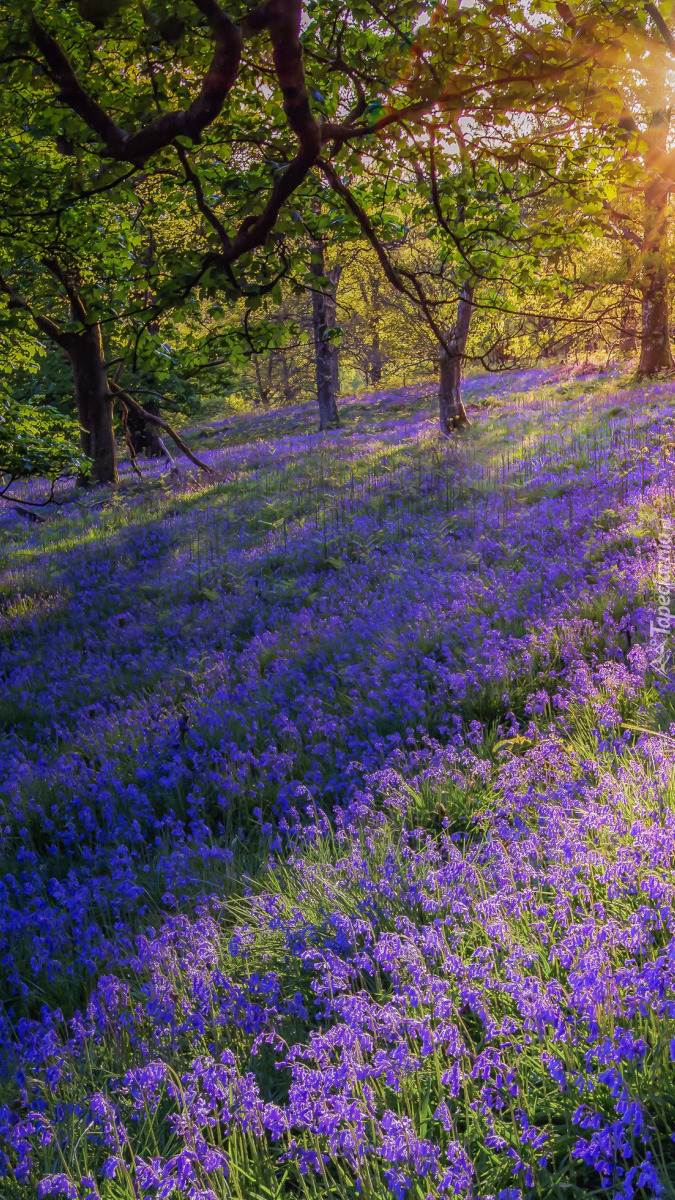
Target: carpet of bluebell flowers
(337, 794)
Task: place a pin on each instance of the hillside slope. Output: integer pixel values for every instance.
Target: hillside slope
(338, 806)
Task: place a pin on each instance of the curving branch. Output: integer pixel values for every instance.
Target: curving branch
(254, 230)
(44, 324)
(204, 208)
(153, 420)
(191, 122)
(127, 437)
(661, 25)
(282, 19)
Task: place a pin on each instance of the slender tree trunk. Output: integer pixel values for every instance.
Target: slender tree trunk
(94, 402)
(628, 338)
(93, 397)
(286, 379)
(375, 346)
(628, 335)
(655, 353)
(145, 437)
(154, 447)
(323, 351)
(331, 319)
(262, 391)
(452, 413)
(376, 357)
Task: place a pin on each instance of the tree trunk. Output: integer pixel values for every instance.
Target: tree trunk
(375, 346)
(331, 319)
(655, 353)
(286, 379)
(628, 332)
(376, 358)
(94, 402)
(452, 413)
(262, 391)
(143, 436)
(323, 350)
(628, 337)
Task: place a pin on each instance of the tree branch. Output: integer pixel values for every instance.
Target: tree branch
(283, 23)
(153, 420)
(127, 437)
(44, 324)
(282, 19)
(196, 184)
(136, 147)
(661, 26)
(76, 306)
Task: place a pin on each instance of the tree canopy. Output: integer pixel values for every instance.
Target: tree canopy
(186, 162)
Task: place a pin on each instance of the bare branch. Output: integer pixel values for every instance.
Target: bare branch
(153, 420)
(127, 437)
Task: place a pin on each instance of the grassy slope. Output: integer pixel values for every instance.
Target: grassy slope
(471, 961)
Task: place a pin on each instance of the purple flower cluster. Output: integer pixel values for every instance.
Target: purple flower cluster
(338, 857)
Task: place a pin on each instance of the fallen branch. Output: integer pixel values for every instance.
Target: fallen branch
(29, 514)
(22, 505)
(127, 438)
(169, 457)
(153, 420)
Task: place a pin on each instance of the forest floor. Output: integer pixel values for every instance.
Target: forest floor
(337, 793)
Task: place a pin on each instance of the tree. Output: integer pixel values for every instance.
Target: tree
(655, 352)
(637, 81)
(104, 59)
(359, 96)
(548, 100)
(34, 440)
(325, 351)
(83, 345)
